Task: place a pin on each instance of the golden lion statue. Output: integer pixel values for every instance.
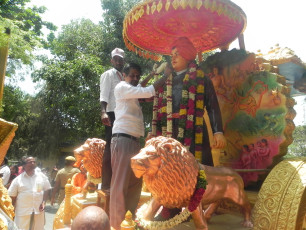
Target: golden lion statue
(90, 154)
(170, 174)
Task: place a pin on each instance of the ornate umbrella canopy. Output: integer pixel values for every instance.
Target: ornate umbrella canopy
(153, 25)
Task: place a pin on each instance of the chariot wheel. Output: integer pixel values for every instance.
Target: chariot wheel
(281, 202)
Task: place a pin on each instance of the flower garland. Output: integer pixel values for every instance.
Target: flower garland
(199, 191)
(169, 106)
(155, 109)
(159, 225)
(191, 112)
(176, 220)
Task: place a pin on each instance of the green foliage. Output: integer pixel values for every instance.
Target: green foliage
(224, 58)
(26, 26)
(67, 109)
(70, 97)
(80, 36)
(298, 147)
(4, 36)
(17, 108)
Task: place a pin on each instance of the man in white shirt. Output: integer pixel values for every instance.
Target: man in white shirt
(128, 128)
(5, 172)
(108, 82)
(29, 192)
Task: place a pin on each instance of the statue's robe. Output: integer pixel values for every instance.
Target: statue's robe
(212, 106)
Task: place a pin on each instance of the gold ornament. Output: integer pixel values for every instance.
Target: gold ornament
(128, 223)
(6, 201)
(281, 200)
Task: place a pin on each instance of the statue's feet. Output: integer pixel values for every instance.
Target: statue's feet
(247, 224)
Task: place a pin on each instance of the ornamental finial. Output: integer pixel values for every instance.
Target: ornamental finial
(128, 223)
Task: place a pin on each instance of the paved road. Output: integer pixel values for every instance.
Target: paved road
(49, 214)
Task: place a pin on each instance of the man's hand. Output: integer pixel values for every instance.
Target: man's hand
(149, 136)
(105, 119)
(42, 206)
(219, 141)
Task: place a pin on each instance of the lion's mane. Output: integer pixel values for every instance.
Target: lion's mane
(91, 154)
(174, 183)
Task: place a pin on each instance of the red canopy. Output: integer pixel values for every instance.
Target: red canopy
(153, 25)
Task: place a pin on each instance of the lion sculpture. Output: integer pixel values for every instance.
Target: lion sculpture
(90, 154)
(170, 174)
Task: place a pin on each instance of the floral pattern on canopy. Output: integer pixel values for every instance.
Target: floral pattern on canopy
(151, 26)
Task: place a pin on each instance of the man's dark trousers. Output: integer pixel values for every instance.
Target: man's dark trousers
(106, 165)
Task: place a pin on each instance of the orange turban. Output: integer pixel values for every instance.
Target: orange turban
(185, 48)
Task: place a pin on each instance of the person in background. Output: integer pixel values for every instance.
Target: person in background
(14, 174)
(128, 128)
(108, 82)
(45, 171)
(79, 180)
(28, 192)
(20, 165)
(62, 177)
(5, 171)
(53, 175)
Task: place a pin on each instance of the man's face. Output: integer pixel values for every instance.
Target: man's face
(117, 63)
(30, 164)
(133, 77)
(178, 62)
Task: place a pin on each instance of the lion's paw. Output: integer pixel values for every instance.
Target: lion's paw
(247, 224)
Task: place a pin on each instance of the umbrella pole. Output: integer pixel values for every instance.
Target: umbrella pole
(241, 41)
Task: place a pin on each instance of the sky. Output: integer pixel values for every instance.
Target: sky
(269, 22)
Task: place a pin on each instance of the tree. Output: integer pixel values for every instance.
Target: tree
(79, 37)
(26, 26)
(298, 146)
(17, 108)
(69, 101)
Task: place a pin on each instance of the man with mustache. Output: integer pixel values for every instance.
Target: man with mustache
(128, 128)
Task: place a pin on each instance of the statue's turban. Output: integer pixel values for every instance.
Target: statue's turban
(185, 48)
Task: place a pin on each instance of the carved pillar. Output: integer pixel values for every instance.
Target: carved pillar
(3, 61)
(67, 209)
